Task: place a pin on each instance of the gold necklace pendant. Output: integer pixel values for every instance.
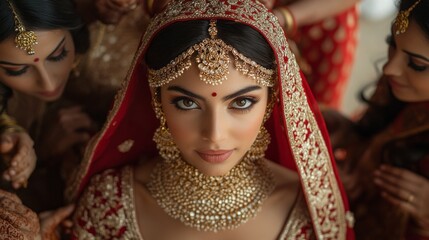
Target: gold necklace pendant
(210, 203)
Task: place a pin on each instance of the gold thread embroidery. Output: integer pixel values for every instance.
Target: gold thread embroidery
(105, 210)
(309, 149)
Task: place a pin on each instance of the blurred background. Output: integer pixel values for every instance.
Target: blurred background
(376, 17)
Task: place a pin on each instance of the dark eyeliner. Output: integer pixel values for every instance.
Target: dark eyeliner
(414, 66)
(59, 57)
(175, 101)
(16, 73)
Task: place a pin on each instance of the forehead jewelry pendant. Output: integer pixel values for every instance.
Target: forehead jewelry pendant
(212, 58)
(402, 21)
(24, 39)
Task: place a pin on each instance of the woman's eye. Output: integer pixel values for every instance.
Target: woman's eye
(16, 72)
(415, 66)
(243, 103)
(59, 57)
(185, 104)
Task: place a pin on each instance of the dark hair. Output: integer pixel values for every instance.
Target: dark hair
(419, 14)
(175, 39)
(41, 15)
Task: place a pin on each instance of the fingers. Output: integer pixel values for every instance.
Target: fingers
(74, 120)
(16, 217)
(6, 143)
(53, 219)
(23, 160)
(398, 186)
(111, 11)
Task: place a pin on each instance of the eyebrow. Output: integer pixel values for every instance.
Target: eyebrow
(417, 56)
(19, 64)
(230, 96)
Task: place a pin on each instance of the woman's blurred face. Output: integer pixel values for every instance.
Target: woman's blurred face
(214, 126)
(44, 74)
(408, 64)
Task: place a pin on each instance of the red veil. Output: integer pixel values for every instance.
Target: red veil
(299, 138)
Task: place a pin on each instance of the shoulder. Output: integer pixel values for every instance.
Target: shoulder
(102, 209)
(283, 176)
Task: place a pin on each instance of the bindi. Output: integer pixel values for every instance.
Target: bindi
(214, 94)
(36, 59)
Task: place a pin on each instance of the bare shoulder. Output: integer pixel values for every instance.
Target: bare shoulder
(284, 177)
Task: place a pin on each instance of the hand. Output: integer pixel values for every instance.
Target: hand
(268, 3)
(112, 11)
(51, 220)
(16, 149)
(71, 127)
(407, 190)
(16, 220)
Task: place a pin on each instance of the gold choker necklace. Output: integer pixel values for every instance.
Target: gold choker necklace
(211, 203)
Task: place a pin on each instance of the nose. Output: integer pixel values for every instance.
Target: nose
(46, 81)
(214, 126)
(394, 65)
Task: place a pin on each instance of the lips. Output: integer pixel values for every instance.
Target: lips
(215, 156)
(396, 84)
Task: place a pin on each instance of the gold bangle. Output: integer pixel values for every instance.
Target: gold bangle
(149, 6)
(290, 23)
(9, 125)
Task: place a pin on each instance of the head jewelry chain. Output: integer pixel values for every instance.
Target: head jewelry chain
(402, 19)
(213, 58)
(24, 39)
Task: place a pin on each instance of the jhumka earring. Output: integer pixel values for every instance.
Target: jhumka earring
(24, 39)
(162, 137)
(258, 148)
(401, 21)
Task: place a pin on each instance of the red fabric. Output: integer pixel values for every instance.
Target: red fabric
(329, 48)
(133, 118)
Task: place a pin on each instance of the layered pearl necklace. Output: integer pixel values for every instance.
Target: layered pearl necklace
(211, 203)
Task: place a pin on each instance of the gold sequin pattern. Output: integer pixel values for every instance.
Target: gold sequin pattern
(211, 203)
(105, 210)
(311, 154)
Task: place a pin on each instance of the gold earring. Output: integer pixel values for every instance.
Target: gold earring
(259, 146)
(164, 141)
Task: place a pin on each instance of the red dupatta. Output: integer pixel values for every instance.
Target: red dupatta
(299, 137)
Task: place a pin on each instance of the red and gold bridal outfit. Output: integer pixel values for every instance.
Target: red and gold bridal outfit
(298, 139)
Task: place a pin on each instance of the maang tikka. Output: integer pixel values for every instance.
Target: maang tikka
(402, 19)
(24, 39)
(213, 58)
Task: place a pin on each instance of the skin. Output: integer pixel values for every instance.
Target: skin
(204, 123)
(107, 11)
(408, 65)
(309, 11)
(18, 153)
(214, 122)
(46, 78)
(19, 222)
(43, 76)
(408, 74)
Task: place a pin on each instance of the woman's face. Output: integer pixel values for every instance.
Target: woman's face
(44, 74)
(213, 126)
(408, 64)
